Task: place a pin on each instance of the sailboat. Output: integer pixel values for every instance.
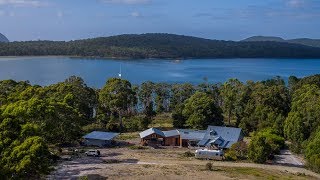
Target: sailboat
(120, 75)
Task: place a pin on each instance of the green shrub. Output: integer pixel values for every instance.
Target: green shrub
(188, 154)
(145, 121)
(93, 127)
(132, 124)
(259, 149)
(230, 155)
(113, 126)
(312, 152)
(276, 142)
(136, 123)
(209, 167)
(264, 144)
(137, 147)
(239, 150)
(83, 178)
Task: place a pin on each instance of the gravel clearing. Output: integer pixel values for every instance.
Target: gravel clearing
(124, 163)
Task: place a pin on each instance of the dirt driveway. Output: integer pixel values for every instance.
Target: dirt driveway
(288, 159)
(124, 163)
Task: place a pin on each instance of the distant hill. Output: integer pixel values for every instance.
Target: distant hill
(264, 38)
(302, 41)
(306, 41)
(3, 38)
(157, 45)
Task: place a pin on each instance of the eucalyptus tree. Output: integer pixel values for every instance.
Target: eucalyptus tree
(23, 153)
(162, 100)
(232, 93)
(304, 117)
(200, 111)
(180, 93)
(146, 96)
(312, 152)
(267, 106)
(117, 96)
(82, 97)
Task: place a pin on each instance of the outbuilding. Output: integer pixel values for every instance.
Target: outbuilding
(99, 138)
(172, 138)
(152, 136)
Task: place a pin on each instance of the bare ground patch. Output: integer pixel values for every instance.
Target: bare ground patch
(125, 163)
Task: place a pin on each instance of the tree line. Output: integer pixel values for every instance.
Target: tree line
(159, 46)
(33, 119)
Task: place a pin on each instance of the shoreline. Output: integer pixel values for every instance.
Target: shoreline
(175, 59)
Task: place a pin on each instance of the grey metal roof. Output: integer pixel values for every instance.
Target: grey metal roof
(227, 136)
(227, 133)
(191, 134)
(218, 140)
(101, 135)
(171, 133)
(203, 142)
(151, 131)
(226, 144)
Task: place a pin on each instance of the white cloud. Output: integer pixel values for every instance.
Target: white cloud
(32, 3)
(60, 14)
(295, 3)
(135, 14)
(127, 1)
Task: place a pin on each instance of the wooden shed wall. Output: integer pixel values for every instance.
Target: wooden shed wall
(172, 141)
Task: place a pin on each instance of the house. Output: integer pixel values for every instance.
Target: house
(154, 136)
(190, 137)
(99, 138)
(215, 137)
(220, 137)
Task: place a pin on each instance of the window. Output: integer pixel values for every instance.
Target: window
(213, 133)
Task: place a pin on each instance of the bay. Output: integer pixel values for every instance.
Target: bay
(49, 70)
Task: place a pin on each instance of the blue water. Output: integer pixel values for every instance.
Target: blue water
(95, 72)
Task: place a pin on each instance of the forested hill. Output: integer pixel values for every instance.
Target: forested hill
(159, 46)
(301, 41)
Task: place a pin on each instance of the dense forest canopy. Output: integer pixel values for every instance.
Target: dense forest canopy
(34, 120)
(159, 46)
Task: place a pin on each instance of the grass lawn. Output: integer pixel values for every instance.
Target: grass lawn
(163, 121)
(256, 173)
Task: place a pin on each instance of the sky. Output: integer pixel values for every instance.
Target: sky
(22, 20)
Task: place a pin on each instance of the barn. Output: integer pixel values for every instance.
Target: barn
(99, 138)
